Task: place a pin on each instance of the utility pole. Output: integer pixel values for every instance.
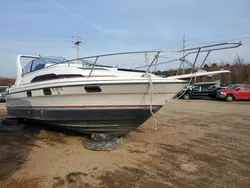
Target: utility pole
(183, 48)
(77, 44)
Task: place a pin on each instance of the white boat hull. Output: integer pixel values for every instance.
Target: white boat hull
(118, 108)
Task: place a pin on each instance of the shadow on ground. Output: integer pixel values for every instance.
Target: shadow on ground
(15, 147)
(14, 150)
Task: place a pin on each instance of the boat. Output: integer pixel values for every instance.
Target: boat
(90, 97)
(85, 98)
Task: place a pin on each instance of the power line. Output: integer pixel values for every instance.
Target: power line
(27, 45)
(242, 39)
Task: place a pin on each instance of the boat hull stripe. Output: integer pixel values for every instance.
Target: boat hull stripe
(87, 106)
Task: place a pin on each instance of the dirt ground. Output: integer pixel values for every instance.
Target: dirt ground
(197, 144)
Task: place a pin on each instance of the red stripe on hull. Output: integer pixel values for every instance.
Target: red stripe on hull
(92, 106)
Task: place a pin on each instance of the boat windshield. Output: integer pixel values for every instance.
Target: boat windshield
(233, 86)
(40, 63)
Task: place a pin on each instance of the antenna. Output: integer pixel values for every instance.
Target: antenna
(182, 65)
(183, 47)
(77, 43)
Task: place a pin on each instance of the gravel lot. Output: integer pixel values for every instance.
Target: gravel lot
(197, 144)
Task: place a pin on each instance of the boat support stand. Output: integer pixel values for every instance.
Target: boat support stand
(102, 141)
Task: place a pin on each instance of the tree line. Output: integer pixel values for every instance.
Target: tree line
(239, 68)
(6, 81)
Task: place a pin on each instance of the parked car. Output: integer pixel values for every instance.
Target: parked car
(199, 90)
(234, 92)
(2, 93)
(214, 91)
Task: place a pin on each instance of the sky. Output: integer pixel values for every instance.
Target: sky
(48, 27)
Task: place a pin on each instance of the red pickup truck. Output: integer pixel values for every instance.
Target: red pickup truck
(234, 92)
